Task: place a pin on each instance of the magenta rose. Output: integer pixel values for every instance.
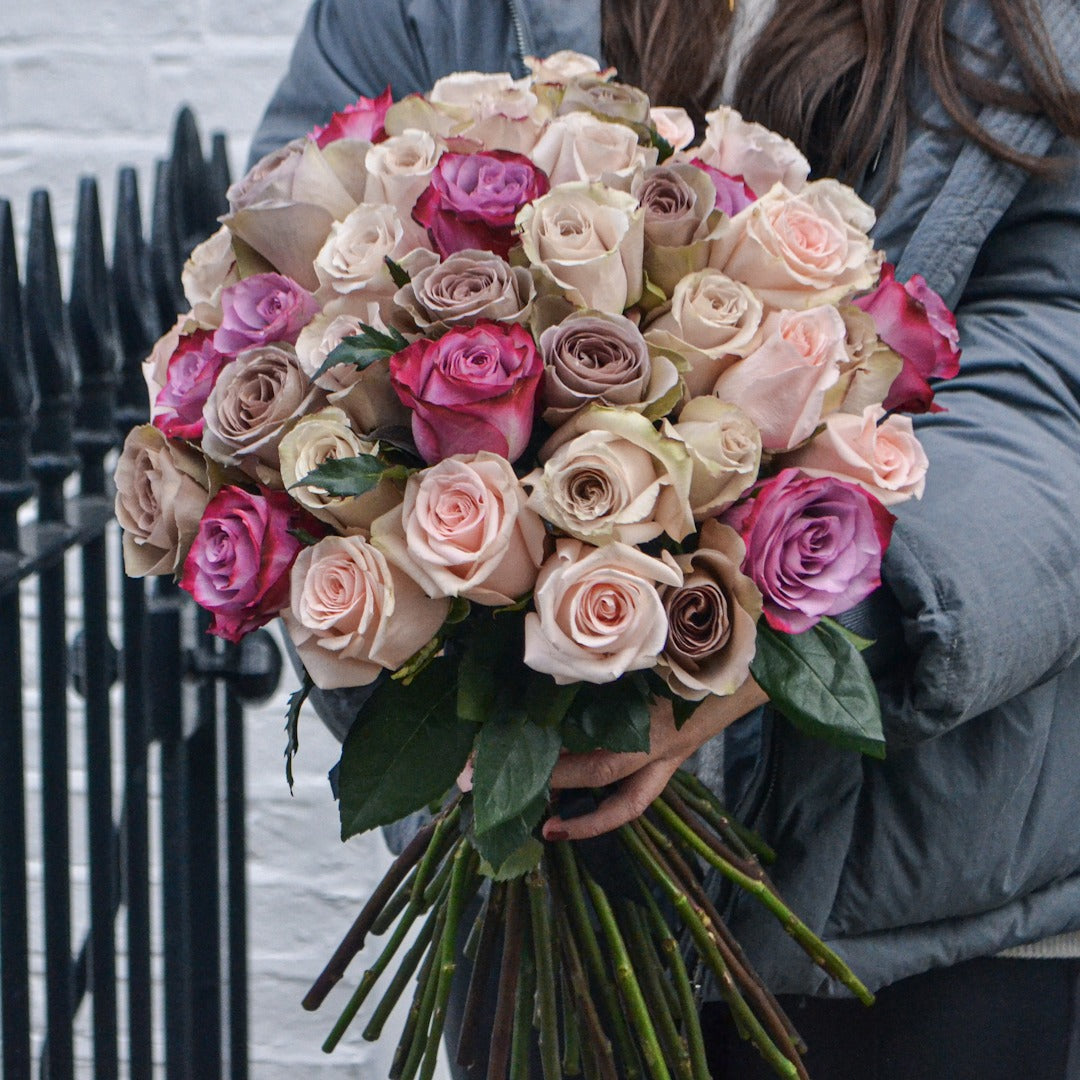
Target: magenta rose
(261, 309)
(193, 369)
(915, 323)
(732, 192)
(238, 566)
(472, 200)
(470, 390)
(364, 119)
(813, 546)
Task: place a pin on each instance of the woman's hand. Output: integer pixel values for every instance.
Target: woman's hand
(643, 776)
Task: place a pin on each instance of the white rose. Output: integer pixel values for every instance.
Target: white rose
(580, 146)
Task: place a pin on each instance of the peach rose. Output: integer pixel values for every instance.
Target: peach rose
(162, 489)
(464, 530)
(598, 613)
(760, 156)
(799, 251)
(589, 240)
(352, 614)
(712, 618)
(782, 384)
(881, 454)
(580, 146)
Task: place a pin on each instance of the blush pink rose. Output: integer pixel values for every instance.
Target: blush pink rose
(238, 566)
(471, 390)
(261, 309)
(813, 546)
(915, 323)
(193, 369)
(472, 200)
(363, 119)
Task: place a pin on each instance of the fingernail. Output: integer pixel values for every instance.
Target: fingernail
(556, 834)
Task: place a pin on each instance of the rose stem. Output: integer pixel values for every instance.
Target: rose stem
(650, 977)
(409, 1032)
(691, 1022)
(748, 866)
(394, 908)
(719, 818)
(571, 1059)
(524, 1004)
(570, 879)
(463, 883)
(768, 1007)
(597, 1045)
(509, 970)
(744, 1017)
(545, 976)
(814, 947)
(427, 1006)
(627, 980)
(489, 921)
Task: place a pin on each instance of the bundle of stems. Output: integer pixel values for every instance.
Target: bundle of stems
(591, 979)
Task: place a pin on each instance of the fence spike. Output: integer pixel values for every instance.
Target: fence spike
(16, 386)
(166, 261)
(220, 174)
(194, 204)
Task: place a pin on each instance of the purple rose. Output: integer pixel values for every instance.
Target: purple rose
(262, 309)
(193, 369)
(732, 192)
(813, 546)
(238, 566)
(472, 200)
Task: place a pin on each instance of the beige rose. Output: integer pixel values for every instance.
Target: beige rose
(320, 338)
(593, 356)
(872, 366)
(352, 260)
(156, 366)
(760, 156)
(415, 113)
(589, 239)
(326, 436)
(562, 66)
(712, 322)
(782, 384)
(497, 111)
(712, 618)
(465, 287)
(253, 401)
(673, 125)
(352, 614)
(162, 489)
(398, 171)
(609, 475)
(464, 530)
(799, 251)
(598, 612)
(580, 146)
(607, 99)
(725, 450)
(879, 453)
(209, 269)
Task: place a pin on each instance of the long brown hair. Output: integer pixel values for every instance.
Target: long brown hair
(841, 91)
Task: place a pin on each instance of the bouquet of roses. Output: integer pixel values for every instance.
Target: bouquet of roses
(524, 411)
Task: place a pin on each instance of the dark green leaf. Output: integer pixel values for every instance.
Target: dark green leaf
(459, 611)
(661, 144)
(519, 862)
(397, 272)
(364, 349)
(546, 701)
(498, 847)
(405, 749)
(820, 683)
(476, 683)
(352, 476)
(682, 710)
(861, 643)
(292, 724)
(612, 716)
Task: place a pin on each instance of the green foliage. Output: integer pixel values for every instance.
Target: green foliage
(352, 476)
(612, 716)
(292, 724)
(364, 349)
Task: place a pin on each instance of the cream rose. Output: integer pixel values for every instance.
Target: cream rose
(162, 489)
(712, 618)
(589, 239)
(464, 529)
(799, 251)
(598, 613)
(609, 475)
(252, 403)
(881, 454)
(725, 452)
(398, 171)
(209, 268)
(560, 67)
(580, 146)
(782, 384)
(712, 322)
(352, 614)
(760, 156)
(353, 257)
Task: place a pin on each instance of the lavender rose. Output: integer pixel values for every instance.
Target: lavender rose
(261, 309)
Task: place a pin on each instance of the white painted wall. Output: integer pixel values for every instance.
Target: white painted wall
(87, 86)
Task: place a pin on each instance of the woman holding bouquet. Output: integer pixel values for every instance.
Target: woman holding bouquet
(948, 875)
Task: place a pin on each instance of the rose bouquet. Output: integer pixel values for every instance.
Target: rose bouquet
(524, 411)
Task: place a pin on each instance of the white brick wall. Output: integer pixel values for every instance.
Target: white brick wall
(87, 86)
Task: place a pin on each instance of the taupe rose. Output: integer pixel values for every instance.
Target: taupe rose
(607, 99)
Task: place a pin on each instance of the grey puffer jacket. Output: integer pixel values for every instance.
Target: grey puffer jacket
(965, 841)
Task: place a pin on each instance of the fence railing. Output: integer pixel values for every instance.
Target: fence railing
(122, 665)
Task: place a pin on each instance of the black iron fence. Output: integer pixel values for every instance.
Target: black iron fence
(125, 716)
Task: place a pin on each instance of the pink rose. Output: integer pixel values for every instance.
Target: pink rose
(472, 200)
(915, 323)
(464, 530)
(742, 148)
(193, 369)
(238, 566)
(813, 546)
(471, 390)
(261, 309)
(362, 120)
(732, 192)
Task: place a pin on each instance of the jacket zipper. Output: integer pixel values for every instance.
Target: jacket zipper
(522, 32)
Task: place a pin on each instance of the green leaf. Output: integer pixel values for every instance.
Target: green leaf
(546, 701)
(364, 349)
(661, 144)
(397, 272)
(612, 716)
(860, 643)
(682, 710)
(352, 476)
(476, 683)
(819, 681)
(405, 749)
(498, 847)
(517, 863)
(292, 724)
(459, 611)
